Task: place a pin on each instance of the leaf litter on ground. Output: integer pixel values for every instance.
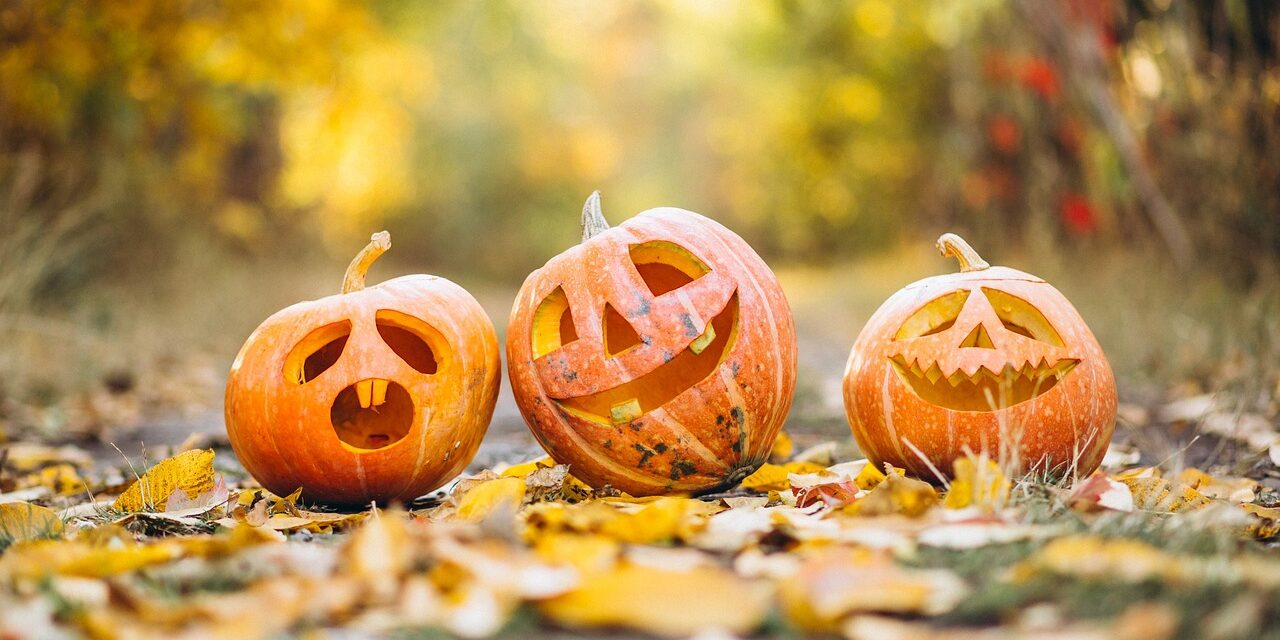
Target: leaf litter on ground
(805, 544)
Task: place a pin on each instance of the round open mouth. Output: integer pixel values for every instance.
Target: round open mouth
(372, 413)
(984, 390)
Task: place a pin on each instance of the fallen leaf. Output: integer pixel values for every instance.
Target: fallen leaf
(1098, 492)
(783, 448)
(483, 498)
(1161, 495)
(978, 482)
(25, 521)
(190, 472)
(663, 602)
(899, 495)
(834, 584)
(1265, 522)
(1237, 490)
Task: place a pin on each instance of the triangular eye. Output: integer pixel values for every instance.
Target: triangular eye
(1022, 317)
(410, 338)
(935, 316)
(619, 335)
(553, 324)
(314, 354)
(666, 266)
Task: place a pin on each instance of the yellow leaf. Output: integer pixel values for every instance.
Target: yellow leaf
(663, 601)
(897, 495)
(586, 553)
(661, 520)
(978, 483)
(835, 583)
(783, 448)
(190, 471)
(1265, 522)
(483, 498)
(769, 477)
(525, 468)
(871, 476)
(1158, 494)
(25, 521)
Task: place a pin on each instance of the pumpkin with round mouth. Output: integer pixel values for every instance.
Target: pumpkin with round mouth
(375, 394)
(989, 359)
(657, 356)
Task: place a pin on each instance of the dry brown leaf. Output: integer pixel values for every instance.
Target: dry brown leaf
(190, 472)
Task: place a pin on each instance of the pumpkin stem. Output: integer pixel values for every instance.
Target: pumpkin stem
(950, 244)
(593, 222)
(354, 278)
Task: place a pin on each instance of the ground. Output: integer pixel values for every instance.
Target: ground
(1176, 538)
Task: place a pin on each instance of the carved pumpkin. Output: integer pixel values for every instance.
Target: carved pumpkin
(990, 359)
(657, 356)
(380, 393)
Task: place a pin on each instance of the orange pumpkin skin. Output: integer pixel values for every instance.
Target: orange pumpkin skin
(1042, 421)
(701, 420)
(282, 429)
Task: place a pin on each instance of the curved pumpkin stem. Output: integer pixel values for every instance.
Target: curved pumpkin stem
(593, 222)
(950, 244)
(354, 278)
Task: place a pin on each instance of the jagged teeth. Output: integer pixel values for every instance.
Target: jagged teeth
(1035, 372)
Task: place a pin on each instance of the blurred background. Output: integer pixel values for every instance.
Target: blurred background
(171, 172)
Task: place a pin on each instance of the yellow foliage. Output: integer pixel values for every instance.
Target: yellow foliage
(664, 602)
(483, 498)
(978, 482)
(190, 471)
(25, 521)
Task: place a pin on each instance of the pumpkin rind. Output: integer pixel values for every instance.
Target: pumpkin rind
(281, 429)
(706, 435)
(1064, 429)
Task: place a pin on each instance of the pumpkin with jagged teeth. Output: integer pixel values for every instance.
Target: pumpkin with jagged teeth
(989, 359)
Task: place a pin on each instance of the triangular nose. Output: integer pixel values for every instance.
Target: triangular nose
(978, 338)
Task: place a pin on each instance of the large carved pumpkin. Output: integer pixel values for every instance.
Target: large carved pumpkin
(990, 359)
(380, 393)
(657, 356)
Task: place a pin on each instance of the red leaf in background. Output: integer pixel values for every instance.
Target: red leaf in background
(1077, 214)
(1004, 133)
(1038, 75)
(1070, 135)
(833, 494)
(995, 66)
(1096, 14)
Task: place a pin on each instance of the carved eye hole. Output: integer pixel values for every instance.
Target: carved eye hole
(314, 354)
(1022, 317)
(935, 316)
(410, 338)
(666, 266)
(553, 324)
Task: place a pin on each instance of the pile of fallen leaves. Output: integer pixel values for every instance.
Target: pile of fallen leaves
(804, 545)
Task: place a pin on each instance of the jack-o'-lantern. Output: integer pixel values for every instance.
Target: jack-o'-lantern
(657, 356)
(989, 359)
(375, 394)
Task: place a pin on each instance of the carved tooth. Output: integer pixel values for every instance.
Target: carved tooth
(379, 392)
(364, 389)
(701, 342)
(957, 377)
(933, 373)
(625, 411)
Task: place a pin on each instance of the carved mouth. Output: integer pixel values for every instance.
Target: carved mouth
(984, 390)
(372, 413)
(633, 399)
